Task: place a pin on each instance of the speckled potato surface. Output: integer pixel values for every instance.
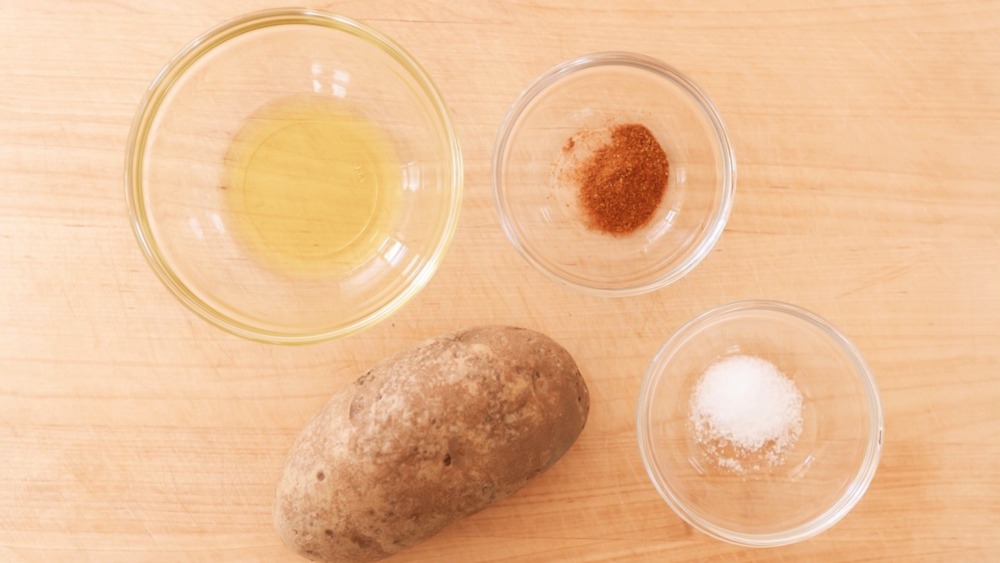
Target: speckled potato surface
(427, 437)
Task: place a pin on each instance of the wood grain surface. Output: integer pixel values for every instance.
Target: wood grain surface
(867, 135)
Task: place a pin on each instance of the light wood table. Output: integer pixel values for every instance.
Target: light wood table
(868, 144)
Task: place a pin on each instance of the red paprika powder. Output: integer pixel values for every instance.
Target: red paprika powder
(622, 183)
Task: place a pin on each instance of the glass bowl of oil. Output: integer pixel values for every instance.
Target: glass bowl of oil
(293, 176)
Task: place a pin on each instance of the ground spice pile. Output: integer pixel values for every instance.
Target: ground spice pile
(622, 182)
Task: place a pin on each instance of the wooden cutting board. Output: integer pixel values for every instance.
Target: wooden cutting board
(867, 137)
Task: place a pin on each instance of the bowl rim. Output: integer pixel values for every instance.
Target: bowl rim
(160, 88)
(853, 492)
(551, 78)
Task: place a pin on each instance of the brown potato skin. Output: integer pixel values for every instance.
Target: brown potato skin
(427, 437)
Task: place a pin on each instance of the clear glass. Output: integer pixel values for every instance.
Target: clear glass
(175, 168)
(538, 206)
(823, 476)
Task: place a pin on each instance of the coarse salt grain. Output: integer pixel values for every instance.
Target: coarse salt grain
(744, 407)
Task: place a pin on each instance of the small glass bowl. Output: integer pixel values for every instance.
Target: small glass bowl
(823, 475)
(203, 231)
(536, 196)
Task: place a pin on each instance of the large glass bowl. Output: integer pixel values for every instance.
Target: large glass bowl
(824, 474)
(250, 263)
(537, 200)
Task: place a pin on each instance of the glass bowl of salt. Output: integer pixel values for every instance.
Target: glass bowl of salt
(760, 424)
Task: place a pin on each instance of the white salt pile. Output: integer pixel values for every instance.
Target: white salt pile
(746, 413)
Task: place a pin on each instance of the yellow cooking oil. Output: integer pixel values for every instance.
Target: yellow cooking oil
(312, 186)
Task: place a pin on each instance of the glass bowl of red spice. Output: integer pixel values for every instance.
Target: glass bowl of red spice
(760, 424)
(613, 173)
